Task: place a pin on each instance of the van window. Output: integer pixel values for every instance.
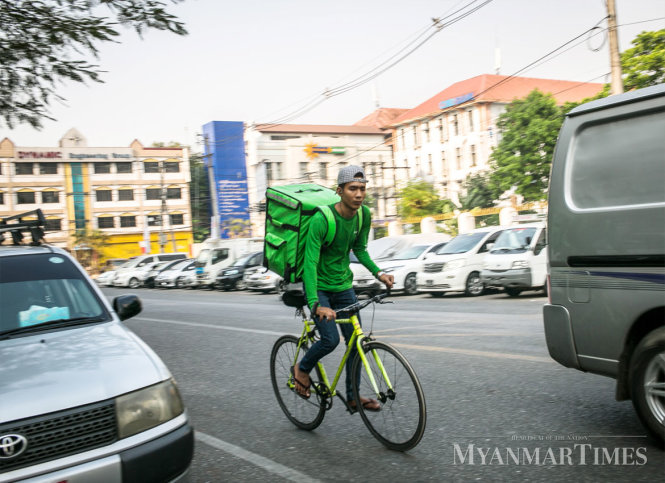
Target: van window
(145, 261)
(219, 254)
(515, 240)
(462, 243)
(490, 239)
(541, 243)
(603, 172)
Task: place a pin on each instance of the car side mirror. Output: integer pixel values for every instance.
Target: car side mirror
(490, 246)
(127, 306)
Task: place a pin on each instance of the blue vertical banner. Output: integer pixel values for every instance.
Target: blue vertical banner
(224, 146)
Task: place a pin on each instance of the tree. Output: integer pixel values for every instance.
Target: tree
(644, 64)
(43, 43)
(419, 198)
(88, 246)
(477, 192)
(522, 159)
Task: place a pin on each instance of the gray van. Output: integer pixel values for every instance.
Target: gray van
(607, 247)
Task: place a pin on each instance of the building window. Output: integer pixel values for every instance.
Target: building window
(177, 219)
(426, 132)
(279, 137)
(172, 167)
(102, 168)
(48, 168)
(103, 195)
(470, 113)
(416, 138)
(2, 198)
(153, 194)
(443, 163)
(25, 197)
(125, 195)
(456, 124)
(127, 221)
(173, 193)
(53, 224)
(459, 158)
(151, 167)
(323, 170)
(272, 172)
(105, 222)
(402, 140)
(123, 167)
(154, 220)
(50, 197)
(473, 154)
(430, 168)
(303, 169)
(23, 168)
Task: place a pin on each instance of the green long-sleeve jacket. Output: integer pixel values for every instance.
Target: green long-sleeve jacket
(327, 268)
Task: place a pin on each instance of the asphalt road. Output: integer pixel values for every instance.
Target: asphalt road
(498, 408)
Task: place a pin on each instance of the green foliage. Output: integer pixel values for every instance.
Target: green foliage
(42, 44)
(419, 198)
(89, 247)
(644, 64)
(477, 192)
(529, 129)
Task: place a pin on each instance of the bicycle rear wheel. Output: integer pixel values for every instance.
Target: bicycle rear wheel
(304, 413)
(400, 424)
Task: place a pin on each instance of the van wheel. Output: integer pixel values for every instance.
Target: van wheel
(410, 286)
(474, 286)
(134, 283)
(512, 291)
(647, 379)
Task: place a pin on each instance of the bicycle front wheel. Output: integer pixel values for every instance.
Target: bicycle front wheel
(304, 413)
(400, 423)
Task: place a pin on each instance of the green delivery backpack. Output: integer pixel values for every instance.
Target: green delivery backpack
(289, 210)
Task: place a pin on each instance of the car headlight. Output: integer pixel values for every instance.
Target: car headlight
(454, 264)
(520, 264)
(148, 407)
(232, 272)
(392, 269)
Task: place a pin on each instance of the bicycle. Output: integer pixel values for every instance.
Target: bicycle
(387, 377)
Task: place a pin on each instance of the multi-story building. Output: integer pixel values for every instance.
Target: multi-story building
(125, 192)
(452, 134)
(287, 153)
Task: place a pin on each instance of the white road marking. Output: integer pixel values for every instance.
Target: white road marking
(257, 460)
(212, 326)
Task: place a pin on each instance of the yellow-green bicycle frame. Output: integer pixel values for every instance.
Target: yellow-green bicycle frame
(357, 338)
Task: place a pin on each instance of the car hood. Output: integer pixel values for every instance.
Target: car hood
(51, 371)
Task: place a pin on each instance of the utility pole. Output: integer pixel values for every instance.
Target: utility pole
(214, 226)
(615, 60)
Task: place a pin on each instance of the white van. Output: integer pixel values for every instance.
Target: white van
(606, 222)
(456, 267)
(518, 260)
(218, 253)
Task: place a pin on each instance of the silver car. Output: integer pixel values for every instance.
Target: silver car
(83, 398)
(180, 275)
(262, 279)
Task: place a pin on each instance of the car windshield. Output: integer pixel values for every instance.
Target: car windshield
(461, 243)
(515, 240)
(45, 289)
(181, 264)
(169, 265)
(379, 249)
(203, 258)
(242, 261)
(410, 253)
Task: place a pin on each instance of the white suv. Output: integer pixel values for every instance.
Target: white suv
(83, 398)
(456, 267)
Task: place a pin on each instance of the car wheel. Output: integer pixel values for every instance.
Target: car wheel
(240, 285)
(410, 286)
(281, 287)
(647, 378)
(133, 283)
(512, 291)
(474, 286)
(178, 282)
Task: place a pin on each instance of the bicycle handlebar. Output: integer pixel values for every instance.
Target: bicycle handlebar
(358, 306)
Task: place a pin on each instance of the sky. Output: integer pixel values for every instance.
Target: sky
(259, 60)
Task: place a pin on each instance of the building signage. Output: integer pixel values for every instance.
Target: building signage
(59, 155)
(99, 156)
(455, 101)
(40, 154)
(313, 150)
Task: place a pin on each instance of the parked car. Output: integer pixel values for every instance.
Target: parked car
(262, 279)
(456, 267)
(105, 279)
(606, 209)
(382, 250)
(180, 275)
(133, 277)
(404, 265)
(152, 274)
(232, 277)
(518, 260)
(69, 411)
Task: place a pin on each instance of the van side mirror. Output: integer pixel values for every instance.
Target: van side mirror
(127, 306)
(490, 246)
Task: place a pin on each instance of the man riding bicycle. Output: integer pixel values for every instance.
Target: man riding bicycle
(328, 279)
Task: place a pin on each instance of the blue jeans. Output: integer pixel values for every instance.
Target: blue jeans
(330, 335)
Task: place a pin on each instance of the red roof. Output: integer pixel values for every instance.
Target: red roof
(317, 129)
(481, 89)
(382, 117)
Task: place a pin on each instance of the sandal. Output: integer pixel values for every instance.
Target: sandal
(368, 404)
(300, 386)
